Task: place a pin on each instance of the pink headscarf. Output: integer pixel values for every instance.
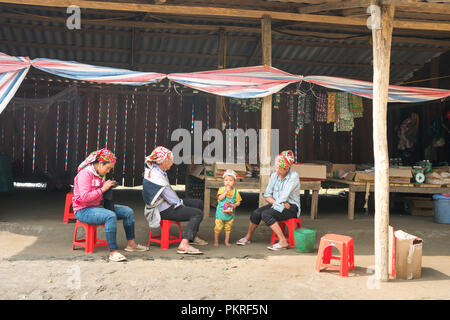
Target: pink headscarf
(103, 155)
(158, 155)
(285, 159)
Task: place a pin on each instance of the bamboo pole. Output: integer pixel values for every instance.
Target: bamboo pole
(266, 111)
(382, 38)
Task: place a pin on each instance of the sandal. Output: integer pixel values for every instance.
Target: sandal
(199, 242)
(190, 250)
(276, 247)
(139, 247)
(117, 257)
(243, 242)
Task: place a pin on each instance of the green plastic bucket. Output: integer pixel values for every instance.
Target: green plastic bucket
(304, 239)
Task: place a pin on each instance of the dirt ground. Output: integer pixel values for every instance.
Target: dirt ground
(37, 262)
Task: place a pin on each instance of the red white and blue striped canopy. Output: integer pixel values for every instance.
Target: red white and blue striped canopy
(365, 89)
(86, 72)
(12, 72)
(247, 82)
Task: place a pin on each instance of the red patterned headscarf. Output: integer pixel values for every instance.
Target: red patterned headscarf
(103, 155)
(285, 159)
(158, 156)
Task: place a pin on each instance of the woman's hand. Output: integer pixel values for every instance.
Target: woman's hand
(107, 185)
(287, 205)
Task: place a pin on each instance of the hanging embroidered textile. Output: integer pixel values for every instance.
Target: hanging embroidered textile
(331, 110)
(321, 107)
(300, 113)
(344, 118)
(356, 105)
(309, 110)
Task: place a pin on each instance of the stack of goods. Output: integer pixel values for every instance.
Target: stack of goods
(438, 178)
(239, 168)
(361, 173)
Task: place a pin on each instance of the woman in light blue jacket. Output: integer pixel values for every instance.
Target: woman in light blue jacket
(283, 195)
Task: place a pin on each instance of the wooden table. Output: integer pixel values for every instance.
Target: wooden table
(354, 187)
(253, 183)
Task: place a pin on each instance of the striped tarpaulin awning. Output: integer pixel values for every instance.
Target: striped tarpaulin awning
(12, 72)
(365, 89)
(247, 82)
(86, 72)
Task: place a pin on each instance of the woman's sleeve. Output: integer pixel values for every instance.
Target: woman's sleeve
(171, 197)
(290, 186)
(269, 189)
(84, 182)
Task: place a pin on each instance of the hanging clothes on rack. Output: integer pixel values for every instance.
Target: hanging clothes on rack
(321, 107)
(331, 110)
(356, 105)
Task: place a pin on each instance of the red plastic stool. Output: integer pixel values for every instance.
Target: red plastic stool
(68, 209)
(165, 239)
(345, 246)
(91, 241)
(291, 225)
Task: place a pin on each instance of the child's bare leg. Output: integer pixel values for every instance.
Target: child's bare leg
(227, 239)
(216, 239)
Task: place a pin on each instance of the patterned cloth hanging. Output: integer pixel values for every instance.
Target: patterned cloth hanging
(300, 112)
(344, 118)
(321, 107)
(356, 106)
(331, 111)
(291, 108)
(309, 104)
(251, 105)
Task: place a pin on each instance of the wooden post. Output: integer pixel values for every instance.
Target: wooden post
(221, 63)
(382, 38)
(266, 112)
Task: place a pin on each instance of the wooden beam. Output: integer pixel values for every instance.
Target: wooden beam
(228, 28)
(382, 38)
(335, 6)
(225, 12)
(266, 112)
(416, 6)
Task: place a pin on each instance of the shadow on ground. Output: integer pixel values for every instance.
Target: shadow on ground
(39, 214)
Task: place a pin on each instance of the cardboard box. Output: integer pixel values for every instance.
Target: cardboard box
(404, 172)
(339, 169)
(239, 168)
(310, 171)
(405, 251)
(349, 176)
(362, 176)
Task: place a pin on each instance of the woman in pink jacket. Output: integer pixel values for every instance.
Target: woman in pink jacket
(89, 187)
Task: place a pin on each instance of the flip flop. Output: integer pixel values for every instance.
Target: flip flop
(199, 242)
(243, 242)
(117, 257)
(190, 250)
(138, 248)
(276, 247)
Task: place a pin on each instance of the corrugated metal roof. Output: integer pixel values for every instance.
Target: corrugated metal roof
(113, 45)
